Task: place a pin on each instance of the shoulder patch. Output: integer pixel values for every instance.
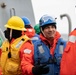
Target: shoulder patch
(28, 51)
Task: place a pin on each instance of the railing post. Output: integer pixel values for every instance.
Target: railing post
(12, 12)
(69, 21)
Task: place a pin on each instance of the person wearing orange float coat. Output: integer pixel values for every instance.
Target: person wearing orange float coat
(68, 62)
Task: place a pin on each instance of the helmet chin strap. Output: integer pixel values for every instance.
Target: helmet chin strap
(10, 33)
(43, 32)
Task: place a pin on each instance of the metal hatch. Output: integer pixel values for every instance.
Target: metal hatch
(20, 8)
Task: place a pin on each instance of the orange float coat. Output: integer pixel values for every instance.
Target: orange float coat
(68, 62)
(17, 49)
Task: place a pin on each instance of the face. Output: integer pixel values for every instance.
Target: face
(49, 31)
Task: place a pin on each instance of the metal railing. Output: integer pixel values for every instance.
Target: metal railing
(69, 21)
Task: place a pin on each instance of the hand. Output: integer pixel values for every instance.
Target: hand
(38, 70)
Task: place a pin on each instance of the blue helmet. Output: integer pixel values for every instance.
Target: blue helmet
(26, 21)
(46, 19)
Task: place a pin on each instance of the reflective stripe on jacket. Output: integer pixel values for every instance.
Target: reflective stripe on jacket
(35, 38)
(10, 60)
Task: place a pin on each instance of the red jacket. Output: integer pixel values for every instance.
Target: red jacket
(27, 58)
(68, 62)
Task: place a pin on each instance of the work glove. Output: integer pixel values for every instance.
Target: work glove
(40, 69)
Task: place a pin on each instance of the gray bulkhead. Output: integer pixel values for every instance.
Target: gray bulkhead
(20, 8)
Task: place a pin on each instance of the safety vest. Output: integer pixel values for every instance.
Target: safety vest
(10, 61)
(42, 56)
(68, 62)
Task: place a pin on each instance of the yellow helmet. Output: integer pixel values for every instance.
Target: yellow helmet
(16, 23)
